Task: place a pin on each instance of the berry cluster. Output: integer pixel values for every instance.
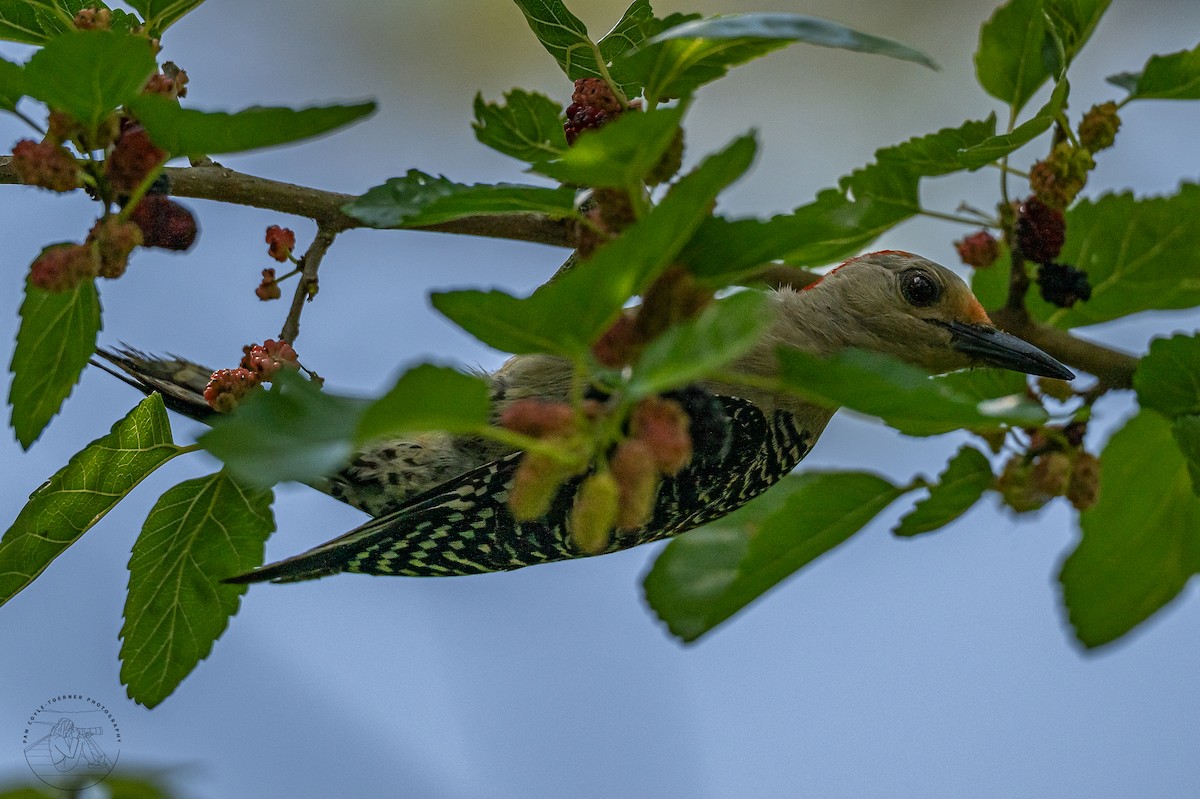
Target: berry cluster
(618, 493)
(260, 362)
(592, 105)
(129, 177)
(171, 82)
(1099, 126)
(46, 164)
(1040, 231)
(1058, 179)
(979, 250)
(1054, 465)
(1063, 285)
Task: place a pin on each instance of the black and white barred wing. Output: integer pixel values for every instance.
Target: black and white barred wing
(461, 527)
(464, 526)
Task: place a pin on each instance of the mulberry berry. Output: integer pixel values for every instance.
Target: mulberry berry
(1063, 285)
(1041, 231)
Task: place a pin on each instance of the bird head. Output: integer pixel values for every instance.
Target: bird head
(907, 306)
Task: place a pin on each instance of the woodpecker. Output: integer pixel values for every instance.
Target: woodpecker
(440, 501)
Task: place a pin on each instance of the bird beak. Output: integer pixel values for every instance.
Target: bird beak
(997, 348)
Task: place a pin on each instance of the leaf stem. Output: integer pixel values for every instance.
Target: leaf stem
(962, 220)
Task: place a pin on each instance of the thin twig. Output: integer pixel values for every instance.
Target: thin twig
(307, 285)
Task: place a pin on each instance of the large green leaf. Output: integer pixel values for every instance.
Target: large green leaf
(1140, 255)
(690, 351)
(1074, 21)
(705, 576)
(1167, 380)
(56, 339)
(12, 85)
(1165, 77)
(161, 14)
(958, 488)
(564, 316)
(1013, 59)
(842, 221)
(35, 21)
(418, 199)
(984, 383)
(295, 431)
(78, 495)
(903, 396)
(528, 126)
(1186, 430)
(627, 35)
(1141, 540)
(88, 74)
(427, 397)
(563, 35)
(187, 131)
(687, 53)
(198, 533)
(620, 154)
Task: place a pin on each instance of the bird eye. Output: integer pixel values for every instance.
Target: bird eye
(919, 289)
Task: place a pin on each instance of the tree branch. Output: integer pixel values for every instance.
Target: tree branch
(1113, 368)
(214, 182)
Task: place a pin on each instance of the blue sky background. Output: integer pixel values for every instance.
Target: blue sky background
(938, 667)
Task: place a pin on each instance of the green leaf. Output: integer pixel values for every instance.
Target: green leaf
(88, 74)
(996, 147)
(686, 53)
(1165, 77)
(1139, 254)
(620, 154)
(56, 339)
(1013, 59)
(295, 431)
(161, 14)
(903, 396)
(563, 35)
(418, 200)
(842, 221)
(187, 131)
(78, 495)
(1141, 540)
(705, 576)
(198, 532)
(1167, 379)
(1074, 21)
(1186, 430)
(694, 349)
(425, 398)
(528, 126)
(12, 85)
(627, 35)
(564, 316)
(984, 383)
(34, 21)
(990, 284)
(959, 487)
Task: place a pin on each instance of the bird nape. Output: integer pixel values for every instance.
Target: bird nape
(441, 502)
